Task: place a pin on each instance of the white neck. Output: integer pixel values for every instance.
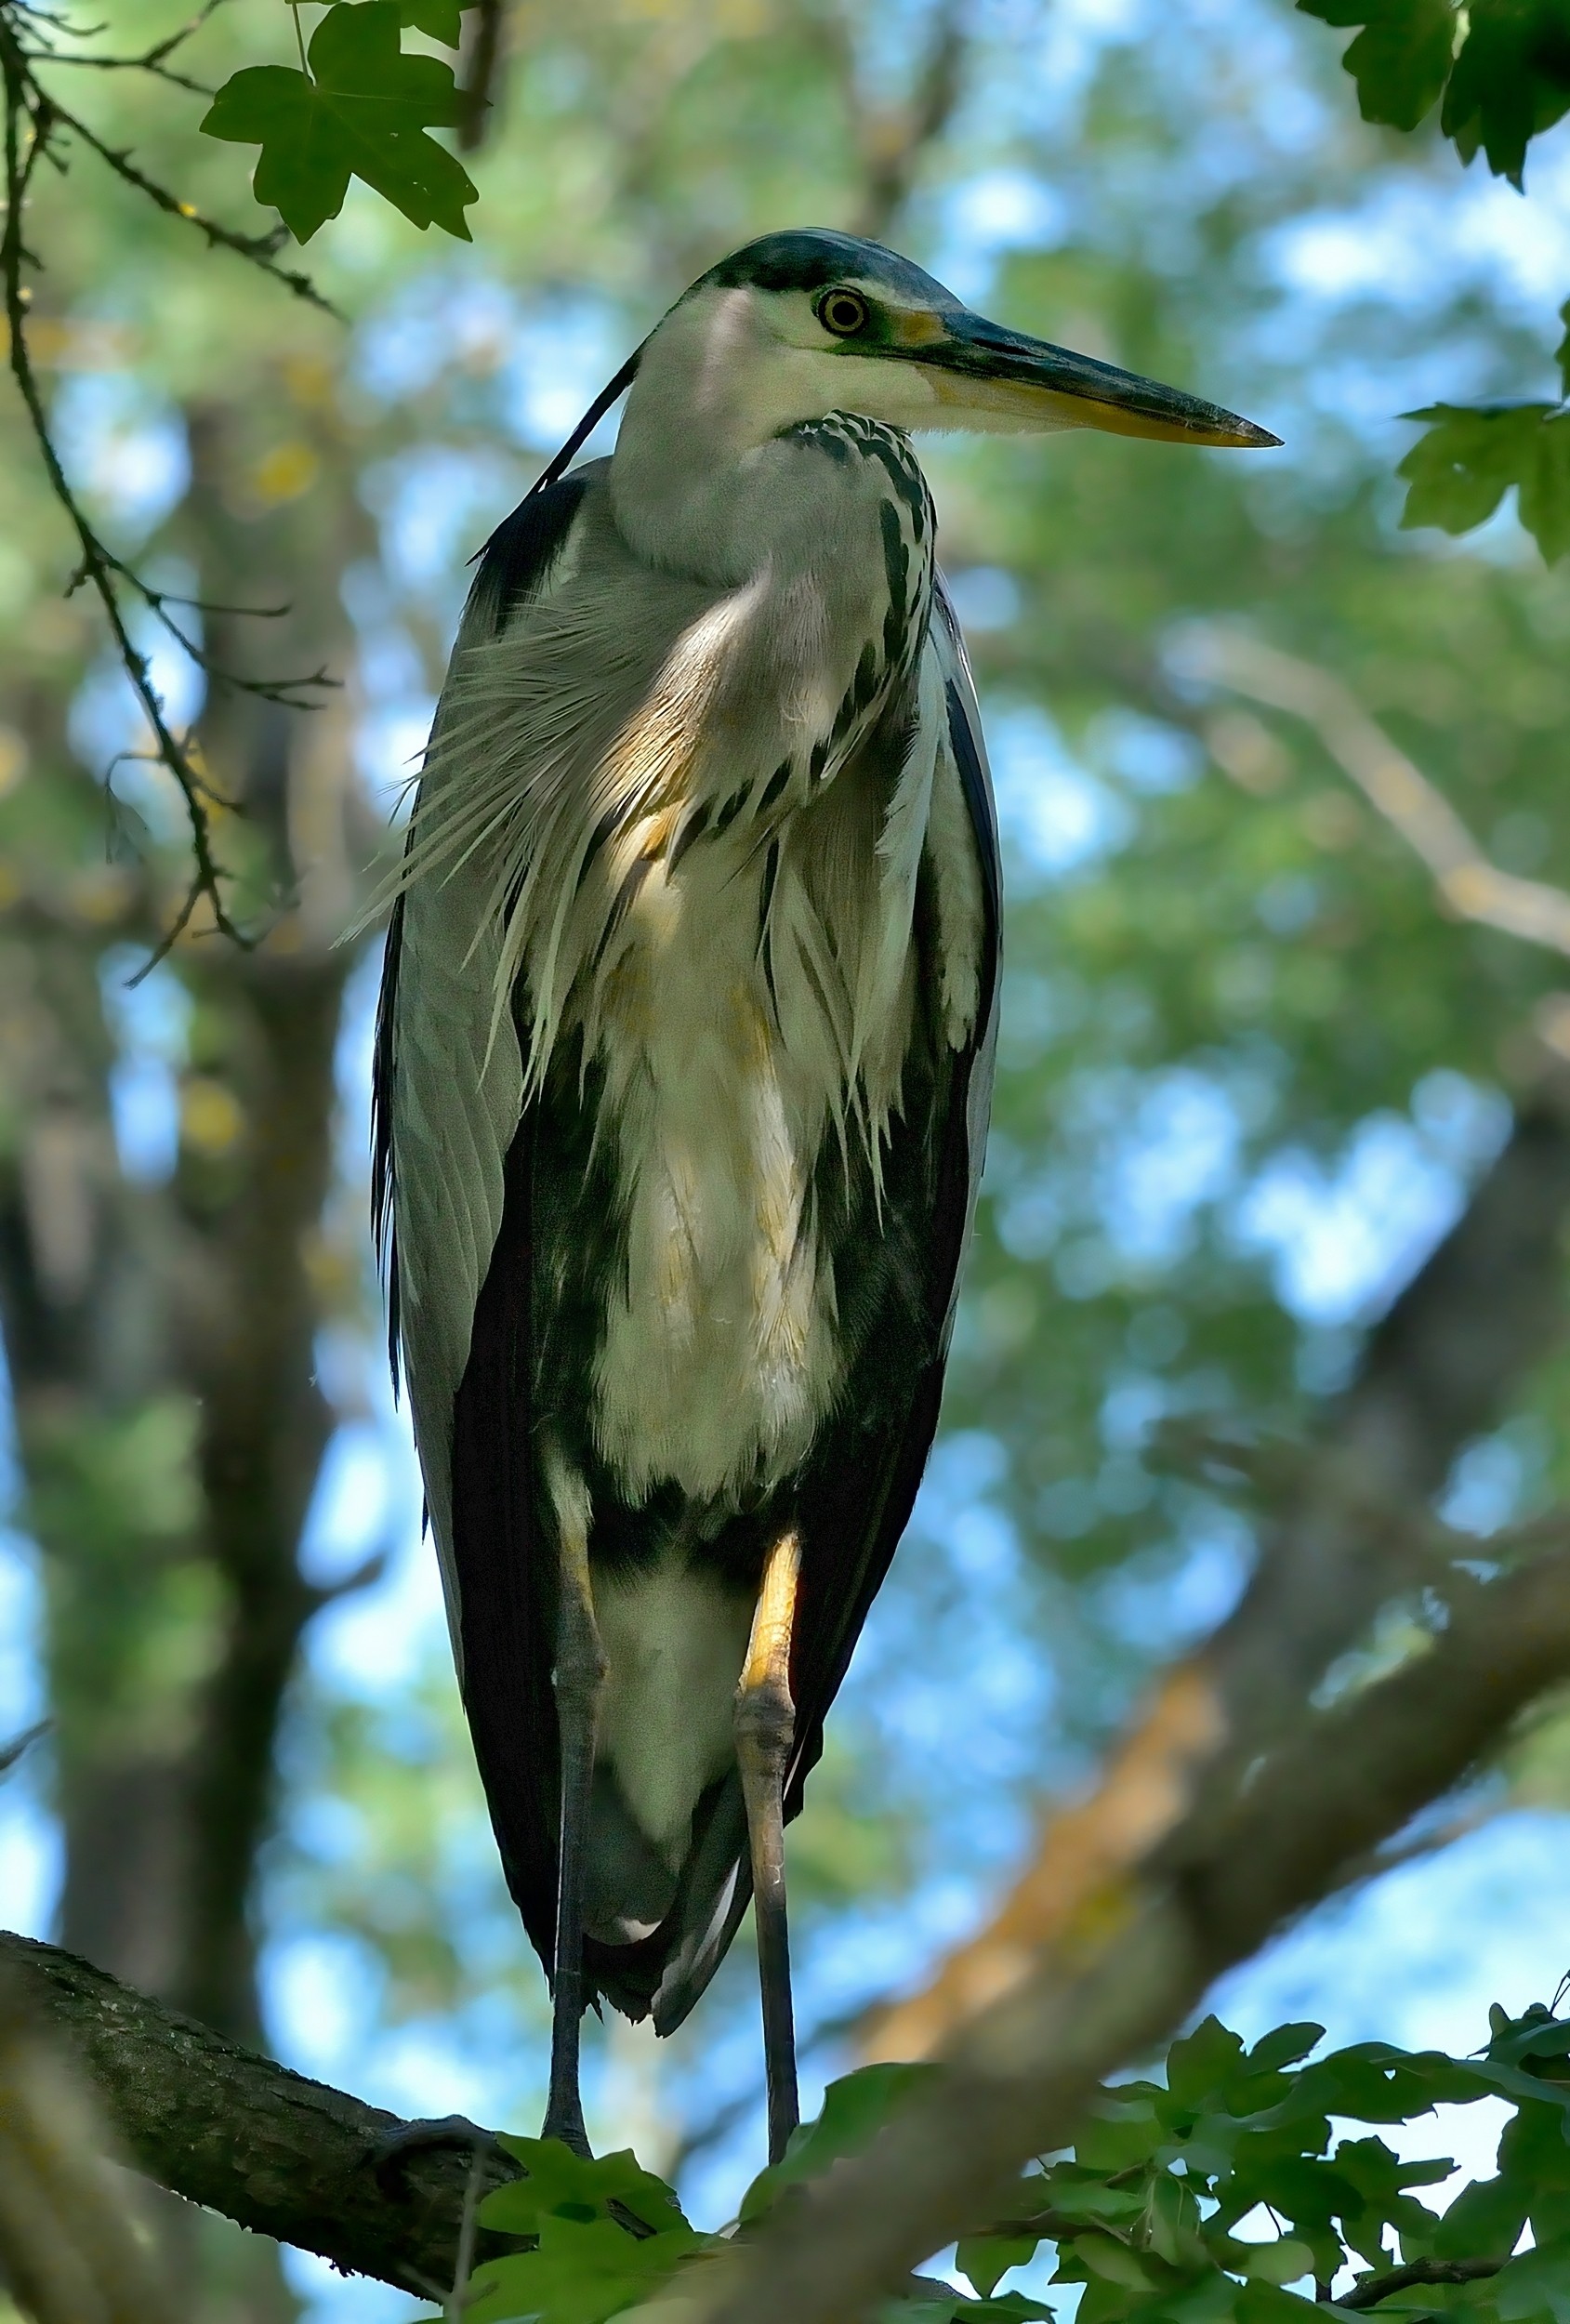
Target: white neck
(691, 487)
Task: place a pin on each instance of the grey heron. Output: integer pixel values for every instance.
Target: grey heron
(683, 1066)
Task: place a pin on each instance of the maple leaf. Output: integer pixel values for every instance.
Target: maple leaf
(361, 110)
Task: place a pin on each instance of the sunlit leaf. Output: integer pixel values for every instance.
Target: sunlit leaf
(855, 2109)
(560, 2185)
(582, 2272)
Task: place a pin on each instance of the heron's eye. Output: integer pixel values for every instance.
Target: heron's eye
(842, 311)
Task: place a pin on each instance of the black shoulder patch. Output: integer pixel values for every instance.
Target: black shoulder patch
(383, 1067)
(518, 555)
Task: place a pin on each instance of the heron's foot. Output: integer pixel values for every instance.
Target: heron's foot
(393, 2152)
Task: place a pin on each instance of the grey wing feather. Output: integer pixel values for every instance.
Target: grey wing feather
(965, 747)
(449, 1082)
(457, 1098)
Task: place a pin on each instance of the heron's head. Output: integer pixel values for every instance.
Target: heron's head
(799, 324)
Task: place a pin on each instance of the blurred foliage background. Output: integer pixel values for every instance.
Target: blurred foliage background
(1250, 1065)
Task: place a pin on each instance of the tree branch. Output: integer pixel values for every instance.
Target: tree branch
(1232, 1804)
(285, 2157)
(894, 141)
(1348, 1533)
(33, 121)
(1396, 789)
(479, 85)
(70, 2247)
(1134, 1951)
(1373, 2289)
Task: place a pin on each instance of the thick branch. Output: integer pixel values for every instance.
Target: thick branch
(1138, 1953)
(1347, 1535)
(71, 2248)
(1232, 1804)
(288, 2158)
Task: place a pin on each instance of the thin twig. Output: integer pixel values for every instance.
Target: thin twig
(469, 2230)
(153, 60)
(257, 249)
(10, 1752)
(25, 103)
(34, 124)
(1373, 2289)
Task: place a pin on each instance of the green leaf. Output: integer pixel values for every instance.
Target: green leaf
(1401, 57)
(1114, 2262)
(1265, 2304)
(1203, 2062)
(362, 113)
(1284, 2046)
(1537, 2033)
(1380, 2181)
(1171, 2223)
(441, 18)
(1458, 472)
(582, 2272)
(1511, 80)
(855, 2109)
(1124, 2130)
(1535, 2286)
(983, 2261)
(1535, 2166)
(1084, 2195)
(1483, 2221)
(1281, 2262)
(1508, 82)
(1309, 2194)
(1544, 502)
(563, 2185)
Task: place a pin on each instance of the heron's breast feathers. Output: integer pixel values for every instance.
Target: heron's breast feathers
(687, 825)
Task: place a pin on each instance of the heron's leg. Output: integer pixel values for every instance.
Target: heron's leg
(765, 1724)
(577, 1676)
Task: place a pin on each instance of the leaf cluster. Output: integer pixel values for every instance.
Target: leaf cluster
(1225, 2192)
(1158, 2210)
(1461, 469)
(359, 106)
(1500, 67)
(1500, 71)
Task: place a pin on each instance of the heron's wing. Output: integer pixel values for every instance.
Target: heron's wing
(860, 1485)
(454, 1153)
(447, 1097)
